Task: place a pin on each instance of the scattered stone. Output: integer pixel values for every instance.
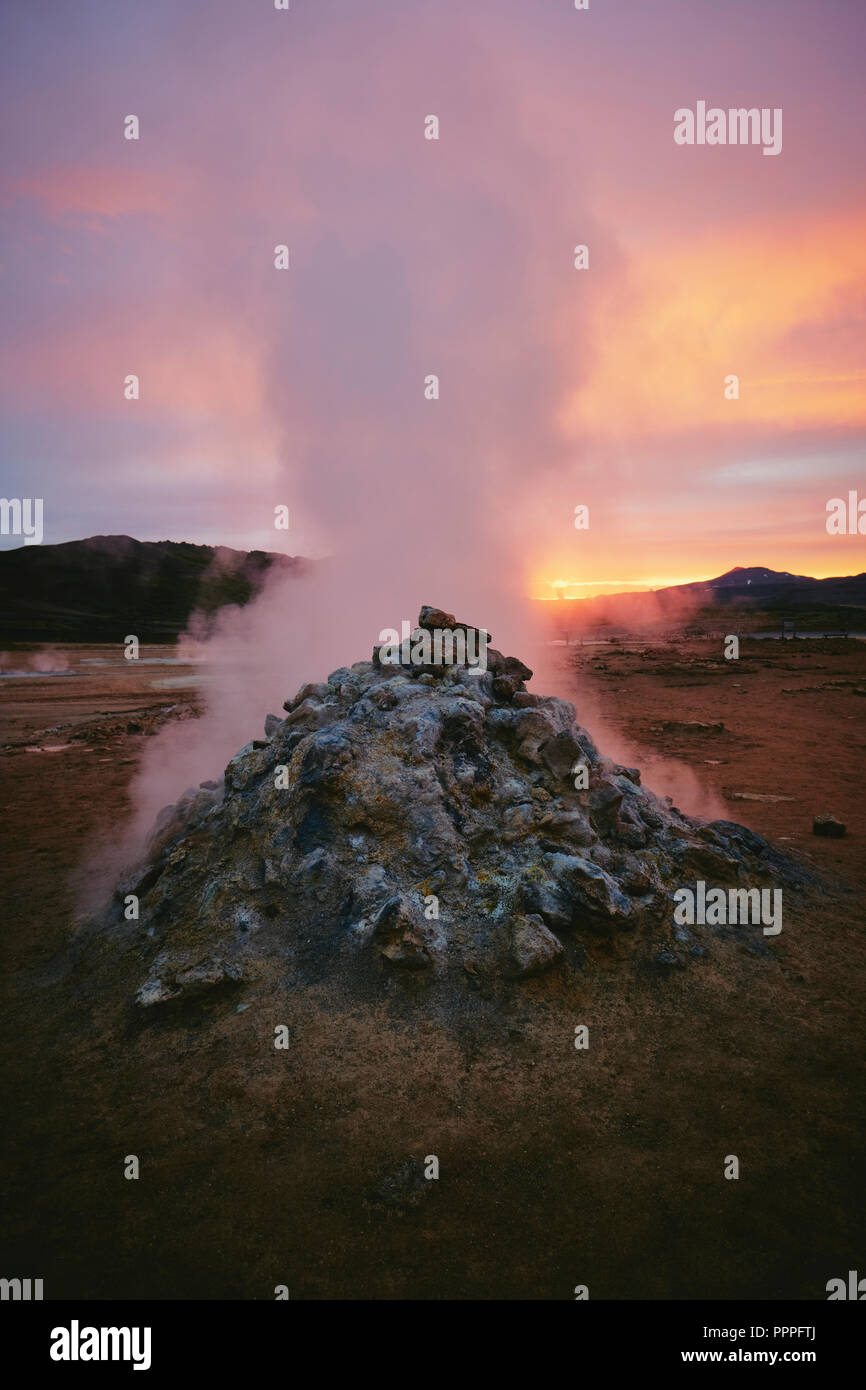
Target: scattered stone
(829, 826)
(753, 796)
(690, 726)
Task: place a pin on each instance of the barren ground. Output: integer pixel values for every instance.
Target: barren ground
(557, 1167)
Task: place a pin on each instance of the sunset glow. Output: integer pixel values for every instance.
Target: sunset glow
(604, 387)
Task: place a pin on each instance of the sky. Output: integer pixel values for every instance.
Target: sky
(602, 387)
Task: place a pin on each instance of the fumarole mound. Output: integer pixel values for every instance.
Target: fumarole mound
(428, 824)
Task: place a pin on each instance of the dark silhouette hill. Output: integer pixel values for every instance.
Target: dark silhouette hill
(101, 588)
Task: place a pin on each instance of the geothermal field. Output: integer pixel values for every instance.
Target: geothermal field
(287, 1034)
(432, 680)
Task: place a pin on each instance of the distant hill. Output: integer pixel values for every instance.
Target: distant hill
(745, 576)
(754, 596)
(100, 589)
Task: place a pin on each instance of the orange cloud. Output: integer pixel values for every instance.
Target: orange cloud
(761, 305)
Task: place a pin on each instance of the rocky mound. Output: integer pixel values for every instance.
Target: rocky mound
(429, 821)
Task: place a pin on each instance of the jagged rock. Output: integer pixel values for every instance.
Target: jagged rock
(428, 824)
(189, 983)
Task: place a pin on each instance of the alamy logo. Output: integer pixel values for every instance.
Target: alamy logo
(436, 647)
(847, 520)
(22, 516)
(856, 1288)
(76, 1343)
(20, 1290)
(736, 907)
(736, 126)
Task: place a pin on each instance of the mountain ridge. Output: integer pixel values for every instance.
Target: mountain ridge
(101, 587)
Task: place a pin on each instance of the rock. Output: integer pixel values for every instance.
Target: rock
(205, 975)
(518, 820)
(561, 753)
(828, 825)
(421, 654)
(313, 690)
(691, 726)
(400, 934)
(550, 903)
(338, 678)
(427, 822)
(188, 983)
(432, 618)
(708, 862)
(668, 960)
(598, 901)
(512, 666)
(636, 882)
(574, 826)
(310, 712)
(506, 687)
(754, 796)
(154, 992)
(605, 801)
(533, 947)
(534, 728)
